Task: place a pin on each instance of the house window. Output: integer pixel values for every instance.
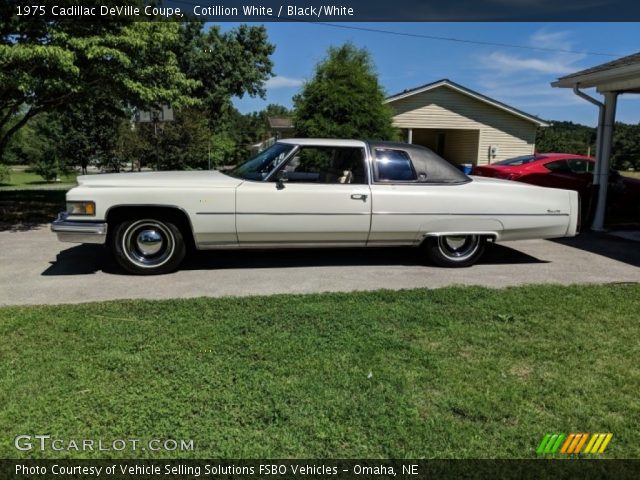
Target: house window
(393, 165)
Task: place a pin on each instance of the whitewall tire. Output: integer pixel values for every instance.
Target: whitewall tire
(148, 246)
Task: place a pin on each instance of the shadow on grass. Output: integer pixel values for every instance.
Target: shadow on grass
(89, 259)
(626, 251)
(22, 210)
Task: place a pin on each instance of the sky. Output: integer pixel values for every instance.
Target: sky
(516, 76)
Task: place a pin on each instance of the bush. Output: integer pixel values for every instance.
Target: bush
(47, 168)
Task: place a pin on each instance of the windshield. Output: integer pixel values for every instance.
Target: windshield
(260, 166)
(518, 160)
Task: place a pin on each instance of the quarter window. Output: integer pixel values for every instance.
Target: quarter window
(580, 166)
(393, 165)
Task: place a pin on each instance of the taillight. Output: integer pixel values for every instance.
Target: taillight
(579, 222)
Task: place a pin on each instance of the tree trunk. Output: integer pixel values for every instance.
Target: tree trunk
(4, 140)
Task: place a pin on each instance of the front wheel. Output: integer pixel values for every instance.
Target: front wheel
(148, 246)
(454, 250)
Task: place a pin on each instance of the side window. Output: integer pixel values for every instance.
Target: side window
(559, 166)
(579, 166)
(343, 165)
(393, 165)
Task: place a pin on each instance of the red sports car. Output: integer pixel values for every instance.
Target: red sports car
(571, 172)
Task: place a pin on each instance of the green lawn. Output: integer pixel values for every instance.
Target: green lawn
(455, 372)
(26, 179)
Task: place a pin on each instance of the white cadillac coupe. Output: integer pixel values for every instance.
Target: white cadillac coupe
(312, 193)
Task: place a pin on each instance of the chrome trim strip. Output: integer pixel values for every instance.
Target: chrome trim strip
(477, 214)
(215, 213)
(391, 213)
(272, 245)
(302, 213)
(79, 232)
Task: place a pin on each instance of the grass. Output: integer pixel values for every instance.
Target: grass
(630, 174)
(454, 372)
(23, 178)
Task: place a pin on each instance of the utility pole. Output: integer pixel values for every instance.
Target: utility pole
(155, 116)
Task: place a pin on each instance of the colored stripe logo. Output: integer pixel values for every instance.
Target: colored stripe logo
(574, 443)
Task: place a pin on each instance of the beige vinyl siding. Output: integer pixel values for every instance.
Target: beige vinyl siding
(444, 108)
(460, 146)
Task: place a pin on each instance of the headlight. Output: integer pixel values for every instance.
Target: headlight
(81, 208)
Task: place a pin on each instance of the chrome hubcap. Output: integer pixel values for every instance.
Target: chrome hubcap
(148, 243)
(458, 247)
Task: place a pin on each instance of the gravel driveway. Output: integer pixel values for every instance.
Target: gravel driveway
(37, 269)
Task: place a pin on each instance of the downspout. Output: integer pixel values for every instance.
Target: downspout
(597, 173)
(598, 153)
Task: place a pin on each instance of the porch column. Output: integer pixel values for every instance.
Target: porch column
(601, 175)
(409, 135)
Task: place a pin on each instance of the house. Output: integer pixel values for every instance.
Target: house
(280, 127)
(277, 128)
(461, 125)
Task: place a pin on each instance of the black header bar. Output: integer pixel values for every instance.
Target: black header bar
(315, 469)
(336, 10)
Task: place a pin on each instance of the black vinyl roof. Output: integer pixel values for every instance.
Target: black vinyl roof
(430, 167)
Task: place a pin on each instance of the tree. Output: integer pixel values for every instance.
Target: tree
(62, 65)
(92, 130)
(40, 144)
(233, 63)
(566, 137)
(179, 145)
(48, 63)
(626, 147)
(221, 149)
(569, 137)
(344, 99)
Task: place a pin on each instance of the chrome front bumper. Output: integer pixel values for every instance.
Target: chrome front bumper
(79, 232)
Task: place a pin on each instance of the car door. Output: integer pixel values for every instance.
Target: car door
(323, 197)
(559, 175)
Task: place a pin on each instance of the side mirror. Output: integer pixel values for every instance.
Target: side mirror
(281, 177)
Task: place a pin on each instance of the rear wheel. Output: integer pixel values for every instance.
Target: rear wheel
(454, 250)
(148, 246)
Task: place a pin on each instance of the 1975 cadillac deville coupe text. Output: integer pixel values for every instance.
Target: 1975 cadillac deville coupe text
(312, 193)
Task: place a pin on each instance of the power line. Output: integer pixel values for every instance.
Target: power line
(446, 39)
(462, 40)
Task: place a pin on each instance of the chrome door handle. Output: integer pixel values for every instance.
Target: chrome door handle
(359, 196)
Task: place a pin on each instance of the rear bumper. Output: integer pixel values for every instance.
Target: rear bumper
(574, 218)
(79, 232)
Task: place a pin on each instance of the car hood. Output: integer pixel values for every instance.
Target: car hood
(160, 179)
